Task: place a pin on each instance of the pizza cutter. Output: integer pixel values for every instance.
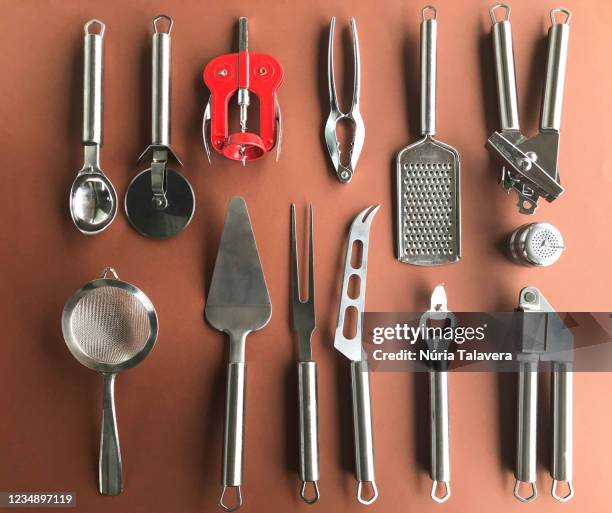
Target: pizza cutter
(159, 202)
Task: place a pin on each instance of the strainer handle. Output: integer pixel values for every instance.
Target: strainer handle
(110, 473)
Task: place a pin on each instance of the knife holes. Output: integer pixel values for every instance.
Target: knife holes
(357, 254)
(351, 317)
(354, 284)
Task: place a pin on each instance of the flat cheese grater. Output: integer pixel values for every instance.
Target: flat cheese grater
(428, 198)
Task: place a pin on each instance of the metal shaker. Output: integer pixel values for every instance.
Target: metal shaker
(536, 245)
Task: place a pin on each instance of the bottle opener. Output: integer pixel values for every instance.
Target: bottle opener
(241, 74)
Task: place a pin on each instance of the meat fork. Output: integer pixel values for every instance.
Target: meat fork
(304, 323)
(344, 173)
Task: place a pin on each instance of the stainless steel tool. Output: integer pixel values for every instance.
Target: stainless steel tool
(353, 115)
(438, 397)
(237, 304)
(304, 323)
(109, 326)
(93, 200)
(427, 175)
(357, 250)
(529, 165)
(536, 245)
(159, 201)
(544, 338)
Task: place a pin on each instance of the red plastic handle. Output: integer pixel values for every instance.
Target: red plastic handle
(221, 76)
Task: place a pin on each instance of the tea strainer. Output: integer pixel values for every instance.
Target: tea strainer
(109, 326)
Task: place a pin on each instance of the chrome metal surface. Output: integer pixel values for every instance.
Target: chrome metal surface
(352, 348)
(160, 78)
(109, 326)
(552, 101)
(536, 244)
(429, 38)
(359, 234)
(562, 443)
(309, 433)
(527, 411)
(438, 397)
(353, 115)
(304, 318)
(548, 341)
(530, 165)
(243, 96)
(93, 199)
(110, 469)
(440, 440)
(304, 323)
(205, 129)
(238, 303)
(93, 75)
(428, 216)
(362, 425)
(160, 202)
(505, 72)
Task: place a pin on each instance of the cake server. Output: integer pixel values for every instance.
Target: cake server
(237, 304)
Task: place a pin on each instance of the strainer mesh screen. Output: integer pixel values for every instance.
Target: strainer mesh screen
(110, 325)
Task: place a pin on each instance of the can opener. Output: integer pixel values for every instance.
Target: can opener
(529, 164)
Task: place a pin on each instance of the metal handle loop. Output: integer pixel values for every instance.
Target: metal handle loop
(562, 10)
(94, 22)
(499, 6)
(162, 17)
(107, 271)
(429, 9)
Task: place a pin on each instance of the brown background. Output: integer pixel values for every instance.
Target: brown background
(170, 409)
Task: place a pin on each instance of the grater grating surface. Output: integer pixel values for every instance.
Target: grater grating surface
(428, 201)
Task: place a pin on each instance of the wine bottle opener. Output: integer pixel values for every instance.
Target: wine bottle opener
(240, 74)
